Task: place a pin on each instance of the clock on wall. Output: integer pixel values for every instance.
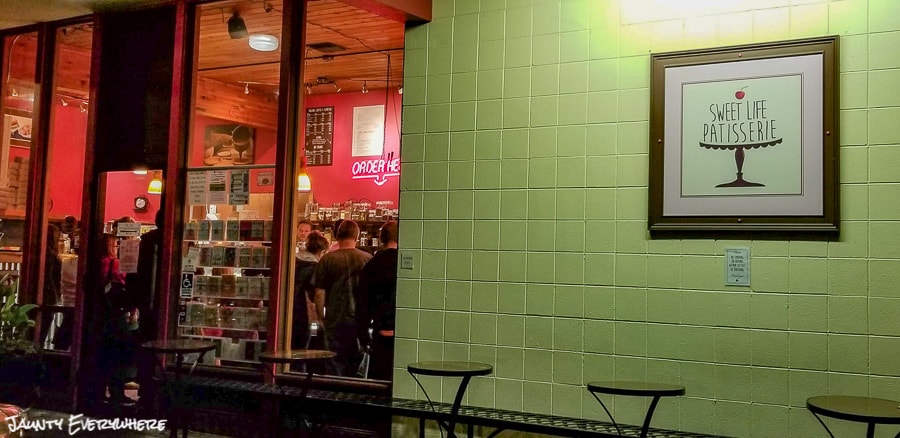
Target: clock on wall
(141, 203)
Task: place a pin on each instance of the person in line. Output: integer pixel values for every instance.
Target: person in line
(115, 352)
(334, 239)
(336, 279)
(142, 292)
(378, 301)
(52, 280)
(303, 229)
(316, 247)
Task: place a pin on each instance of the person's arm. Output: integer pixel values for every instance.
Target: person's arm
(320, 304)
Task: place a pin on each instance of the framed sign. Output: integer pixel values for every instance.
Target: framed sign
(745, 138)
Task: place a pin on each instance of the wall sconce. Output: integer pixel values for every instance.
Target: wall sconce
(304, 185)
(365, 88)
(156, 184)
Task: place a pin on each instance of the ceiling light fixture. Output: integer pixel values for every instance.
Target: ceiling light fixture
(263, 42)
(14, 93)
(400, 90)
(83, 106)
(63, 102)
(365, 88)
(156, 184)
(246, 88)
(236, 27)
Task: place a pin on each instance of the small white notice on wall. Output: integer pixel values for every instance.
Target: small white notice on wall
(737, 266)
(217, 185)
(128, 255)
(196, 188)
(368, 130)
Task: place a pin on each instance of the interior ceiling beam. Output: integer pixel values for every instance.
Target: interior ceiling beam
(403, 11)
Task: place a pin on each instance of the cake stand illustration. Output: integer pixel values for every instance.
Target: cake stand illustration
(739, 159)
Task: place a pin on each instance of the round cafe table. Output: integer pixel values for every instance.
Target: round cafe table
(867, 410)
(466, 370)
(634, 388)
(293, 357)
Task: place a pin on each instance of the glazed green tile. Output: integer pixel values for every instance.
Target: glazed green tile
(484, 297)
(696, 376)
(517, 51)
(437, 176)
(605, 42)
(635, 72)
(413, 176)
(633, 137)
(541, 204)
(635, 39)
(460, 204)
(570, 236)
(599, 336)
(544, 81)
(803, 382)
(848, 315)
(430, 350)
(434, 235)
(437, 118)
(571, 141)
(664, 271)
(883, 16)
(668, 35)
(442, 12)
(511, 298)
(854, 124)
(882, 245)
(415, 62)
(459, 293)
(883, 89)
(437, 147)
(510, 394)
(572, 109)
(570, 204)
(631, 339)
(809, 20)
(567, 368)
(737, 30)
(664, 246)
(698, 343)
(599, 301)
(487, 174)
(855, 202)
(601, 139)
(574, 46)
(514, 144)
(847, 277)
(808, 351)
(808, 312)
(407, 323)
(663, 341)
(602, 107)
(699, 247)
(416, 272)
(541, 236)
(439, 60)
(513, 236)
(600, 236)
(573, 77)
(882, 129)
(770, 348)
(487, 235)
(664, 306)
(481, 393)
(883, 316)
(707, 273)
(567, 399)
(459, 265)
(883, 386)
(600, 171)
(569, 268)
(462, 175)
(411, 205)
(414, 119)
(438, 89)
(883, 353)
(487, 204)
(631, 368)
(544, 111)
(881, 44)
(844, 383)
(599, 269)
(518, 22)
(631, 304)
(490, 84)
(416, 37)
(848, 353)
(514, 204)
(574, 15)
(491, 56)
(510, 363)
(770, 386)
(464, 26)
(538, 365)
(415, 90)
(485, 265)
(538, 397)
(453, 351)
(634, 105)
(848, 17)
(434, 205)
(431, 325)
(854, 90)
(854, 165)
(769, 311)
(631, 237)
(538, 332)
(808, 275)
(514, 174)
(880, 159)
(568, 301)
(603, 75)
(456, 326)
(600, 204)
(489, 116)
(732, 309)
(769, 274)
(413, 148)
(540, 267)
(516, 112)
(733, 346)
(408, 292)
(511, 330)
(545, 49)
(542, 142)
(487, 145)
(517, 82)
(434, 264)
(462, 116)
(512, 266)
(545, 18)
(733, 417)
(491, 25)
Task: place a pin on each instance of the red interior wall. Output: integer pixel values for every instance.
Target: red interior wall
(121, 189)
(66, 167)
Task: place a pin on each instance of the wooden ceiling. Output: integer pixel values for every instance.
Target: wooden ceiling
(367, 40)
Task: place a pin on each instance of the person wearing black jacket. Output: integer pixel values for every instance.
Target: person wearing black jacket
(307, 259)
(377, 302)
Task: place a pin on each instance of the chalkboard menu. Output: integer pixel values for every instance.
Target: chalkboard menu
(319, 136)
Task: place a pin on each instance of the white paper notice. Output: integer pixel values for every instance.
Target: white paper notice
(128, 229)
(191, 259)
(240, 187)
(128, 256)
(196, 188)
(218, 181)
(368, 130)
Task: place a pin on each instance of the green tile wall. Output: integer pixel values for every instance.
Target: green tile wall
(524, 204)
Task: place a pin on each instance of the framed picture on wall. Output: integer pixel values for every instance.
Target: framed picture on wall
(745, 138)
(18, 127)
(228, 145)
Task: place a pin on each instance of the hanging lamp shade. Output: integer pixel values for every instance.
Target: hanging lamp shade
(303, 183)
(155, 187)
(236, 27)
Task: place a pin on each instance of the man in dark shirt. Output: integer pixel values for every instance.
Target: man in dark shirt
(378, 289)
(336, 280)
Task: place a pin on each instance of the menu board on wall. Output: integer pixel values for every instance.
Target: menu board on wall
(368, 130)
(319, 136)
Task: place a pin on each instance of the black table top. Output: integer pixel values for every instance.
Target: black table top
(854, 408)
(178, 346)
(292, 356)
(450, 368)
(637, 388)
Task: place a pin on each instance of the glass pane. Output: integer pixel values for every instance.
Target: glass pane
(230, 184)
(65, 170)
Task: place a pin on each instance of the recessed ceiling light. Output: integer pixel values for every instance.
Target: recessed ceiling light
(263, 42)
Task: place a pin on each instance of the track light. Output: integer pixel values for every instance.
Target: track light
(246, 88)
(14, 93)
(83, 106)
(63, 102)
(236, 27)
(365, 88)
(400, 90)
(308, 89)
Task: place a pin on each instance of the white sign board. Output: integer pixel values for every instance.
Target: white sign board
(128, 229)
(368, 130)
(187, 285)
(737, 266)
(196, 188)
(128, 255)
(218, 181)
